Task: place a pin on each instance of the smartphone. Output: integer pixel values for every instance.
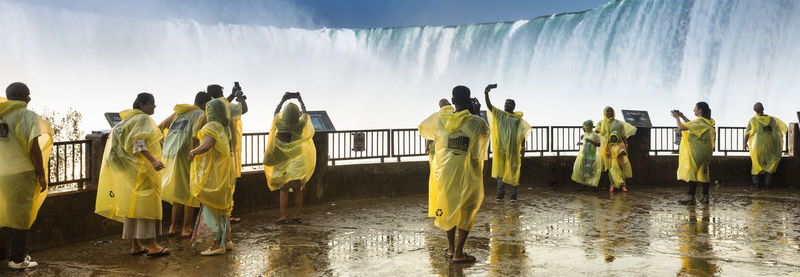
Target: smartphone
(293, 94)
(492, 86)
(236, 86)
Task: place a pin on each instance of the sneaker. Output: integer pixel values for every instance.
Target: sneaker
(688, 200)
(499, 197)
(229, 245)
(513, 198)
(26, 264)
(214, 252)
(704, 198)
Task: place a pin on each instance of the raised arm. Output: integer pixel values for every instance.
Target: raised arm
(486, 96)
(302, 104)
(678, 116)
(280, 105)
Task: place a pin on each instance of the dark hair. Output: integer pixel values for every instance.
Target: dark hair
(201, 98)
(141, 99)
(214, 90)
(15, 89)
(704, 109)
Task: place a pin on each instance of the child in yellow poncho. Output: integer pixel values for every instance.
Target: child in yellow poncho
(461, 148)
(26, 141)
(129, 188)
(764, 138)
(619, 168)
(508, 132)
(290, 157)
(212, 180)
(181, 136)
(697, 146)
(589, 164)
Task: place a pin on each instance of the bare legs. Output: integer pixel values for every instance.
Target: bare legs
(298, 201)
(456, 246)
(188, 218)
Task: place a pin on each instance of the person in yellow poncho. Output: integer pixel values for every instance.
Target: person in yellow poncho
(619, 166)
(461, 148)
(180, 130)
(129, 187)
(588, 165)
(697, 145)
(26, 141)
(235, 125)
(605, 128)
(290, 157)
(508, 132)
(764, 138)
(212, 180)
(433, 187)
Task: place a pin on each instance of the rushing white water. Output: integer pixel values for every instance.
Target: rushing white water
(562, 69)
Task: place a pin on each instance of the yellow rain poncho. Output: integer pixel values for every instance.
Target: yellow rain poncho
(766, 143)
(588, 165)
(129, 186)
(20, 196)
(608, 125)
(697, 145)
(461, 148)
(177, 144)
(433, 187)
(290, 153)
(212, 180)
(236, 138)
(508, 130)
(619, 165)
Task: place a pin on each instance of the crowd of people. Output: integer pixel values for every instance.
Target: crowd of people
(192, 159)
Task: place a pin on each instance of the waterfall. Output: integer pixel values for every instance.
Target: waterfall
(562, 69)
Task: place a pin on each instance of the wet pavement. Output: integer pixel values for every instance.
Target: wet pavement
(549, 232)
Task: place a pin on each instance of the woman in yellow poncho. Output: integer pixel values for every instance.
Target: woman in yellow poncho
(764, 138)
(433, 187)
(129, 188)
(624, 130)
(181, 136)
(25, 144)
(508, 132)
(235, 125)
(212, 180)
(290, 157)
(697, 145)
(588, 165)
(461, 148)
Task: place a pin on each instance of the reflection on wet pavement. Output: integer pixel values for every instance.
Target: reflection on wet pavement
(548, 232)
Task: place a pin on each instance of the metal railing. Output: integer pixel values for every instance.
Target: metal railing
(70, 163)
(731, 139)
(565, 139)
(664, 139)
(408, 143)
(359, 144)
(253, 145)
(538, 141)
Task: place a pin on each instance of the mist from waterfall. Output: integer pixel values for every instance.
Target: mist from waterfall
(561, 69)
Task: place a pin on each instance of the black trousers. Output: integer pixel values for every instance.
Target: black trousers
(17, 245)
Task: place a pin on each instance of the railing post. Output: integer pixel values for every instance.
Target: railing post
(97, 145)
(794, 139)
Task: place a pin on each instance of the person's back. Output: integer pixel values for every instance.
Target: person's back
(765, 142)
(177, 144)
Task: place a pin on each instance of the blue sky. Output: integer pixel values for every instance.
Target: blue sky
(387, 13)
(329, 13)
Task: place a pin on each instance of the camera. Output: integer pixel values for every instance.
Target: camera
(293, 94)
(492, 86)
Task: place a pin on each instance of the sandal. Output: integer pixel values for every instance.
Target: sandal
(297, 220)
(137, 253)
(447, 253)
(280, 221)
(163, 252)
(468, 259)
